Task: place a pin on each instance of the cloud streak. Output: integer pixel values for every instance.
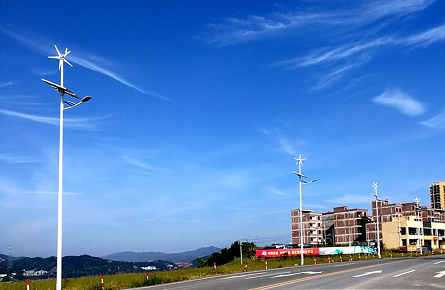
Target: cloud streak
(436, 122)
(348, 198)
(43, 47)
(347, 45)
(5, 84)
(78, 123)
(349, 50)
(256, 27)
(404, 103)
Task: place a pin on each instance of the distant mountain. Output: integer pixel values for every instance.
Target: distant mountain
(188, 256)
(79, 266)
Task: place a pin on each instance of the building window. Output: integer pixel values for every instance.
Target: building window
(403, 231)
(412, 231)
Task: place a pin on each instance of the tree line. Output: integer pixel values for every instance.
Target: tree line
(227, 255)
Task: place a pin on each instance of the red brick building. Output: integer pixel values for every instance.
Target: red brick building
(312, 227)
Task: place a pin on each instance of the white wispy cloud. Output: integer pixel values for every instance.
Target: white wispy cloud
(256, 27)
(275, 191)
(78, 123)
(240, 208)
(348, 45)
(147, 168)
(93, 63)
(349, 50)
(5, 84)
(96, 66)
(286, 146)
(15, 159)
(334, 76)
(350, 198)
(343, 52)
(51, 192)
(425, 38)
(404, 103)
(436, 122)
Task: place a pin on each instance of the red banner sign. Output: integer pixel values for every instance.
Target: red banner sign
(287, 252)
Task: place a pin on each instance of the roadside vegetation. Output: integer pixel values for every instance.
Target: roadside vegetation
(125, 281)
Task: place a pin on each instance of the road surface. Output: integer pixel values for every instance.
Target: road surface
(401, 273)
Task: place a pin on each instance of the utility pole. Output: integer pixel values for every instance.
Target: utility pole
(400, 234)
(64, 105)
(300, 176)
(10, 261)
(241, 251)
(375, 185)
(419, 222)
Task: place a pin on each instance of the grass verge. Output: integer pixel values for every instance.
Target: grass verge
(125, 281)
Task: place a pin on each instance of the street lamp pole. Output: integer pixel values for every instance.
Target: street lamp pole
(300, 162)
(62, 90)
(59, 204)
(375, 185)
(418, 224)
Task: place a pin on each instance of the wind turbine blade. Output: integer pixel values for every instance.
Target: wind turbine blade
(58, 52)
(67, 62)
(56, 57)
(60, 64)
(66, 53)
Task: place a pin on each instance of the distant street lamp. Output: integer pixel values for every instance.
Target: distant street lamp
(375, 185)
(300, 162)
(64, 105)
(418, 224)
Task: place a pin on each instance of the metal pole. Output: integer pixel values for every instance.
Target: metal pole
(59, 207)
(301, 218)
(378, 226)
(419, 224)
(301, 204)
(241, 251)
(375, 185)
(62, 90)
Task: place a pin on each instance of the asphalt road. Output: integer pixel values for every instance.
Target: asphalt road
(402, 273)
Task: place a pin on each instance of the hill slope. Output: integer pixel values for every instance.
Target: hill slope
(152, 256)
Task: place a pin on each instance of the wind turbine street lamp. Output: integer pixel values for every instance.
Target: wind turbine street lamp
(301, 181)
(375, 185)
(418, 223)
(64, 105)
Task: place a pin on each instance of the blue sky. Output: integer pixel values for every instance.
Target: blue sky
(198, 110)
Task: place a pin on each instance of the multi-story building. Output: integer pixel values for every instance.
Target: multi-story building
(439, 215)
(411, 232)
(328, 228)
(312, 232)
(437, 195)
(386, 212)
(349, 225)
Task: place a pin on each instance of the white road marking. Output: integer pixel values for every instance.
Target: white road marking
(439, 262)
(263, 275)
(440, 274)
(403, 273)
(345, 264)
(247, 276)
(293, 274)
(367, 273)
